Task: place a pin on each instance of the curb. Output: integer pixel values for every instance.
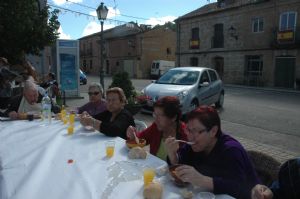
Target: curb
(268, 89)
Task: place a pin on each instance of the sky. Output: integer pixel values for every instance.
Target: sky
(78, 18)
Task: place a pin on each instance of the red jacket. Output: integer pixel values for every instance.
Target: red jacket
(153, 136)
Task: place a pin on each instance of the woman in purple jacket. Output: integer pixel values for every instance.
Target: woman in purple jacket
(214, 161)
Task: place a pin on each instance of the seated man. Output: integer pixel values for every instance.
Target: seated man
(287, 186)
(26, 102)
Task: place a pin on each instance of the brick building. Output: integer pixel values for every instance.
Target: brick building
(249, 42)
(129, 47)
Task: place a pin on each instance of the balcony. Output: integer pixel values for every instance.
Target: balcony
(286, 38)
(194, 43)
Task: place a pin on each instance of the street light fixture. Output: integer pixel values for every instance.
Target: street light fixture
(102, 14)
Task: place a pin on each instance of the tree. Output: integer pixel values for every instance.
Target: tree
(25, 29)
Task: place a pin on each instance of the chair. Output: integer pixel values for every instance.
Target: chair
(266, 166)
(140, 125)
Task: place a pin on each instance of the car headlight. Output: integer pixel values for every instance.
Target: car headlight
(181, 95)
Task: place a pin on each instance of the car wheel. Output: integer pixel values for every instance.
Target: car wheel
(220, 102)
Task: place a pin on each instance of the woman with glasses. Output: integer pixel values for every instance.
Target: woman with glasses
(96, 102)
(166, 124)
(214, 161)
(115, 120)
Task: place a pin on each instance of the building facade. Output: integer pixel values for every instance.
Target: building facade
(129, 48)
(249, 42)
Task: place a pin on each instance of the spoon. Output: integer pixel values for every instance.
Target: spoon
(135, 137)
(189, 143)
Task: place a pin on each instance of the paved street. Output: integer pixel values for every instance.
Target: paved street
(261, 119)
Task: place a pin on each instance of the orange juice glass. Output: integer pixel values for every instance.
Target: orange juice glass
(148, 176)
(110, 148)
(72, 118)
(70, 130)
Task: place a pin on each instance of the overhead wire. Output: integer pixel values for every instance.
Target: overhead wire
(123, 15)
(85, 14)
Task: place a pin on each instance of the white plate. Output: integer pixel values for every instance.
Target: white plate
(205, 195)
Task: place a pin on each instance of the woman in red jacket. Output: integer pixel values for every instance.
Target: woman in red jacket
(166, 124)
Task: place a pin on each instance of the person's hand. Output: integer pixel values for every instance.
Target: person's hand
(13, 115)
(189, 174)
(172, 146)
(130, 132)
(86, 119)
(261, 192)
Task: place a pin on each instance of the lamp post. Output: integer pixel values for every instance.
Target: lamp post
(102, 14)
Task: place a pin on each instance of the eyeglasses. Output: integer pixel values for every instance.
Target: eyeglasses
(93, 93)
(195, 131)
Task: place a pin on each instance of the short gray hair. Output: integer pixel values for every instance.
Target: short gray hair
(30, 86)
(96, 85)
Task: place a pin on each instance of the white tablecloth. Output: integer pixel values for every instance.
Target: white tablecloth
(42, 161)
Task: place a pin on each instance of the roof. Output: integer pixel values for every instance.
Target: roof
(190, 68)
(218, 7)
(118, 31)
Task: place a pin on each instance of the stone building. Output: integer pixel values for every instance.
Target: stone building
(249, 42)
(129, 48)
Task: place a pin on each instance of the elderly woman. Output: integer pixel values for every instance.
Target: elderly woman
(214, 161)
(166, 124)
(115, 120)
(96, 103)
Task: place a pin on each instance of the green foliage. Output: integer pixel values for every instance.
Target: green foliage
(25, 29)
(169, 25)
(123, 81)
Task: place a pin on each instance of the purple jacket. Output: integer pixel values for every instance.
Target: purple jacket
(228, 164)
(93, 108)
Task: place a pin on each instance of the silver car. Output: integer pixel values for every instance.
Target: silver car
(193, 86)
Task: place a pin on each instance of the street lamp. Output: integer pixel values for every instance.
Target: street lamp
(102, 14)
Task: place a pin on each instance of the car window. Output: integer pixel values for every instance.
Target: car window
(213, 75)
(204, 77)
(179, 77)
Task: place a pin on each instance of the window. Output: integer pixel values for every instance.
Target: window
(195, 33)
(218, 38)
(258, 25)
(287, 21)
(195, 41)
(204, 77)
(194, 61)
(213, 75)
(254, 65)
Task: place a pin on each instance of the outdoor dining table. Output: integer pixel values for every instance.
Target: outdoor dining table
(39, 160)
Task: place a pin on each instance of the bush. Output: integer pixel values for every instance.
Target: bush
(123, 81)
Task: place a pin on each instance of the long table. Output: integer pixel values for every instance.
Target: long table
(39, 160)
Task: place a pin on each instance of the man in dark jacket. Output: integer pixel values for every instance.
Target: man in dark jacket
(27, 102)
(286, 187)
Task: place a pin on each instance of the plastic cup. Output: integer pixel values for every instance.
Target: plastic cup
(148, 176)
(72, 118)
(30, 116)
(65, 120)
(110, 148)
(70, 130)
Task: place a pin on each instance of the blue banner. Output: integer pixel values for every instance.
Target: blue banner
(68, 72)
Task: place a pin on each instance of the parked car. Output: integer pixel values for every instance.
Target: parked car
(82, 77)
(193, 86)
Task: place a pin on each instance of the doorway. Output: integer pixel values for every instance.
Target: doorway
(219, 66)
(285, 72)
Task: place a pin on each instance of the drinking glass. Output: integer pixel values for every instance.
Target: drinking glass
(149, 174)
(110, 148)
